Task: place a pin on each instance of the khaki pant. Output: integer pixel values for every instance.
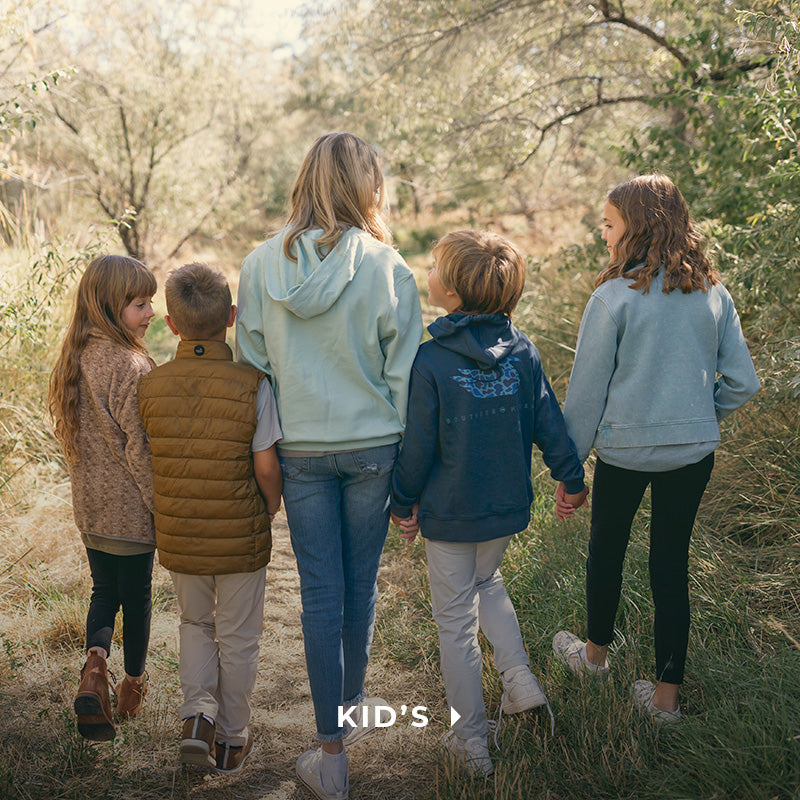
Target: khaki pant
(467, 592)
(221, 621)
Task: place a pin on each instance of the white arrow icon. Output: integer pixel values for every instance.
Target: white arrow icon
(454, 716)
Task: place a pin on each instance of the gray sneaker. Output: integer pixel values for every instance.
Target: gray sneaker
(643, 692)
(310, 770)
(358, 730)
(472, 753)
(571, 650)
(521, 690)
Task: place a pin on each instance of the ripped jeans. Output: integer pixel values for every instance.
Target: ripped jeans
(337, 506)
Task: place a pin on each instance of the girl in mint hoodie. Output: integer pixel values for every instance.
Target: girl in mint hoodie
(330, 311)
(660, 360)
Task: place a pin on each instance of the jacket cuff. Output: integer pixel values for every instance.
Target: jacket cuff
(400, 511)
(574, 486)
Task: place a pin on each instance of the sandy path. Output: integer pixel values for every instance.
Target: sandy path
(392, 763)
(396, 762)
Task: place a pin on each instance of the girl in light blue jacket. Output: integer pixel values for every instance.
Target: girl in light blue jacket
(660, 360)
(330, 311)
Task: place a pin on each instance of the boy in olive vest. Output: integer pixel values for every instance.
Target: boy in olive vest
(217, 481)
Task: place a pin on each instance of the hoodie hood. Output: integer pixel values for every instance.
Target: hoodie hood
(483, 338)
(312, 284)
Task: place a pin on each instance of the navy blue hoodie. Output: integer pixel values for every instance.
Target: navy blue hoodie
(478, 401)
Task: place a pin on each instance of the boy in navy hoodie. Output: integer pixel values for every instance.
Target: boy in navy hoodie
(478, 401)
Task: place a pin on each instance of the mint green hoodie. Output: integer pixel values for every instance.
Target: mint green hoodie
(337, 336)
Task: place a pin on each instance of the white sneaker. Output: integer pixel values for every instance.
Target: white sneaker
(521, 690)
(472, 753)
(310, 769)
(643, 692)
(358, 731)
(571, 650)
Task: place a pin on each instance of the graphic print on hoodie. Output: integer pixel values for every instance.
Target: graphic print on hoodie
(502, 380)
(479, 400)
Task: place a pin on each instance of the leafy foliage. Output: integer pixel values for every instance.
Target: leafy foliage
(465, 93)
(732, 147)
(160, 123)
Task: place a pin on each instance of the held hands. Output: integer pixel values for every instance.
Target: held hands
(408, 526)
(567, 503)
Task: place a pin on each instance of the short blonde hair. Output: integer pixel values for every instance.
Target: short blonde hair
(483, 268)
(198, 300)
(339, 185)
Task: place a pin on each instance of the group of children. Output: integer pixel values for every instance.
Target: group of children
(183, 457)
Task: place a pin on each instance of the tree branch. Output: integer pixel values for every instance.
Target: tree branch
(622, 19)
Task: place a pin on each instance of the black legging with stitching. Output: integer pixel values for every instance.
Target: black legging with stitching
(675, 497)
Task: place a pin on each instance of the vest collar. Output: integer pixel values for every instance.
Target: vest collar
(211, 350)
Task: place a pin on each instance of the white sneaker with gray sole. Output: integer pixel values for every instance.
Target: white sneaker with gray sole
(472, 753)
(357, 731)
(571, 651)
(310, 769)
(643, 692)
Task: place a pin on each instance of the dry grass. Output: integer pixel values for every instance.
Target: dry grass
(43, 602)
(740, 739)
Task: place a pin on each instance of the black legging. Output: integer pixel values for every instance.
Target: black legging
(675, 497)
(121, 581)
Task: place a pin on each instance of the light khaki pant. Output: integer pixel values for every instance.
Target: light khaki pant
(221, 621)
(467, 592)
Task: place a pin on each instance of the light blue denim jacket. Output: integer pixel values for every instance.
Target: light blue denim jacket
(654, 373)
(337, 335)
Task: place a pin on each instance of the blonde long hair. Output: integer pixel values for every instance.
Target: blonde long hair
(658, 233)
(339, 185)
(107, 286)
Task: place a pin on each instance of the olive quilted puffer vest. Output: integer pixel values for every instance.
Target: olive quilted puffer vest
(200, 414)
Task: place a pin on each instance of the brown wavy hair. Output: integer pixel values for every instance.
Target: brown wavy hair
(658, 233)
(339, 185)
(107, 286)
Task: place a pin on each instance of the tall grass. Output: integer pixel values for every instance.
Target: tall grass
(740, 735)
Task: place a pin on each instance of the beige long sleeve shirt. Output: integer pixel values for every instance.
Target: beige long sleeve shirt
(112, 484)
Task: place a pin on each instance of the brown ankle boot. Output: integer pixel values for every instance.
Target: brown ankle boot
(130, 694)
(92, 703)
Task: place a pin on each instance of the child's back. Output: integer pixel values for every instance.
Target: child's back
(112, 483)
(200, 413)
(93, 402)
(480, 401)
(213, 427)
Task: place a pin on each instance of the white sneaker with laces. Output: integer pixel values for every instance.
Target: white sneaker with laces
(521, 690)
(643, 692)
(472, 753)
(357, 731)
(311, 770)
(571, 650)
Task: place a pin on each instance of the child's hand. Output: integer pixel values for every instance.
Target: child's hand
(409, 526)
(567, 503)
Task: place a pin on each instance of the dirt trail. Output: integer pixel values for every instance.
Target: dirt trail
(392, 763)
(44, 611)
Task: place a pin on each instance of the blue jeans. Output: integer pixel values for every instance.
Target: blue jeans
(337, 507)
